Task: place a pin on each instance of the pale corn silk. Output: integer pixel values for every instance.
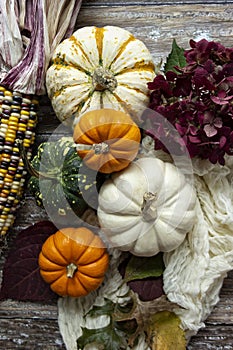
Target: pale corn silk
(194, 271)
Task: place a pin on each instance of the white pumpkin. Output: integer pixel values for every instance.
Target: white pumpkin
(147, 208)
(100, 68)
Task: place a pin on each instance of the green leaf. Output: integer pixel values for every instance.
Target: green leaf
(143, 267)
(107, 338)
(175, 58)
(109, 308)
(112, 337)
(106, 309)
(165, 333)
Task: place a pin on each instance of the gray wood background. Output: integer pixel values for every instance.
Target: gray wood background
(34, 326)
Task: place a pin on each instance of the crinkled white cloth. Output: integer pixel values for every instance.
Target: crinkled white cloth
(194, 271)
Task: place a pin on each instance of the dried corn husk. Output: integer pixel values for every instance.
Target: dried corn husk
(30, 31)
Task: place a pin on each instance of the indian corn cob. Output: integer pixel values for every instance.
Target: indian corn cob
(30, 31)
(18, 119)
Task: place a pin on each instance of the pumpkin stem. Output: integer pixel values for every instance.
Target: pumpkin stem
(149, 211)
(103, 79)
(70, 270)
(100, 148)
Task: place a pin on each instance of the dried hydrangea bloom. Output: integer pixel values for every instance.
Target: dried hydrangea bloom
(198, 101)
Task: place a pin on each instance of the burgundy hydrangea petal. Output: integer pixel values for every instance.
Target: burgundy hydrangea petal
(171, 76)
(193, 150)
(181, 129)
(210, 130)
(194, 139)
(228, 69)
(193, 130)
(183, 86)
(218, 122)
(201, 79)
(160, 83)
(200, 107)
(209, 66)
(222, 141)
(217, 156)
(221, 100)
(208, 117)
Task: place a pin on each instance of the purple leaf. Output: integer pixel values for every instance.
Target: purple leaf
(21, 276)
(148, 288)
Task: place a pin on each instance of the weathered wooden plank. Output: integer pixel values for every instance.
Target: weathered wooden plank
(152, 2)
(212, 337)
(157, 26)
(34, 326)
(27, 334)
(36, 311)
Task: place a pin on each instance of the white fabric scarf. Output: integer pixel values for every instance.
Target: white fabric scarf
(195, 271)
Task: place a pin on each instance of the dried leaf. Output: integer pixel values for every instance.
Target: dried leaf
(21, 276)
(165, 333)
(142, 311)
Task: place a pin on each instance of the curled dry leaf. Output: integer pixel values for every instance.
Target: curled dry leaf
(164, 332)
(142, 312)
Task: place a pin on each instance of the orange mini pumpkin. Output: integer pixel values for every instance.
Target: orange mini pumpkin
(73, 261)
(107, 140)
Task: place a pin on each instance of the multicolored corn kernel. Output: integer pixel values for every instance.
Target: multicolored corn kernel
(18, 120)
